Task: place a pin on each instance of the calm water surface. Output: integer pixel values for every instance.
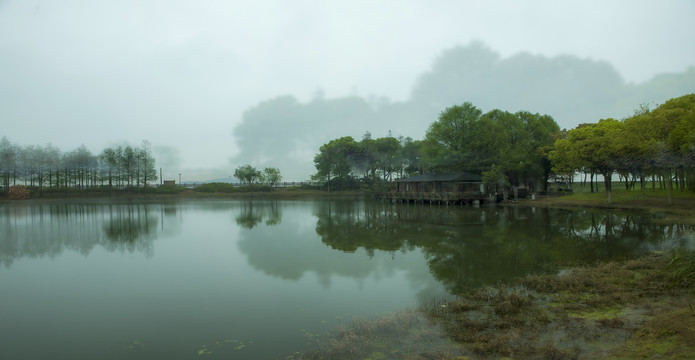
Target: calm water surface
(258, 279)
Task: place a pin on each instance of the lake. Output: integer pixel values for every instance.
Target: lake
(222, 279)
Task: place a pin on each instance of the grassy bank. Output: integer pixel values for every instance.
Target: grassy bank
(221, 191)
(680, 209)
(643, 308)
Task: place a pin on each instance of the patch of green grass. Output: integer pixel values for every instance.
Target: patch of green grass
(229, 188)
(597, 314)
(167, 190)
(671, 336)
(620, 194)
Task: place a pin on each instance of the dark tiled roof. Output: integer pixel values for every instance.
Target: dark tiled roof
(463, 176)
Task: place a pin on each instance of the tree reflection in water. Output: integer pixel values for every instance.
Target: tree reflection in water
(467, 246)
(38, 230)
(251, 214)
(131, 228)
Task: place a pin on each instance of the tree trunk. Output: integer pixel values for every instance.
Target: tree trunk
(669, 182)
(641, 182)
(591, 181)
(607, 184)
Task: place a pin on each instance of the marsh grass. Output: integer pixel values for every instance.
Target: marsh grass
(600, 311)
(681, 268)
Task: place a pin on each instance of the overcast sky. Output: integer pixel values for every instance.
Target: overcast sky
(181, 73)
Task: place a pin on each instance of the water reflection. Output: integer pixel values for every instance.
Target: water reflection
(462, 246)
(131, 228)
(469, 247)
(265, 270)
(253, 213)
(39, 230)
(292, 251)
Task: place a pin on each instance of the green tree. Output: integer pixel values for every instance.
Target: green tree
(450, 138)
(495, 177)
(410, 157)
(53, 164)
(247, 174)
(386, 156)
(147, 170)
(336, 159)
(563, 158)
(272, 176)
(592, 146)
(517, 144)
(109, 163)
(454, 127)
(8, 162)
(127, 163)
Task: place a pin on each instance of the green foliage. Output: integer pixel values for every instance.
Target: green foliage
(455, 127)
(658, 143)
(248, 174)
(166, 189)
(271, 176)
(229, 188)
(216, 188)
(495, 177)
(681, 269)
(516, 144)
(463, 139)
(337, 159)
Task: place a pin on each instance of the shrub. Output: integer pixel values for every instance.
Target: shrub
(166, 189)
(216, 187)
(229, 188)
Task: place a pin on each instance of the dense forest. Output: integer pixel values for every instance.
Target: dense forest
(48, 168)
(526, 149)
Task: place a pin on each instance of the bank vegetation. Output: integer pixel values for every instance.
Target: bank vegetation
(641, 308)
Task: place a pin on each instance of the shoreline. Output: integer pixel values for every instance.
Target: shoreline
(681, 211)
(639, 308)
(278, 194)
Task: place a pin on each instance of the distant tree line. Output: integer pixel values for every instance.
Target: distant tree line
(656, 145)
(507, 149)
(47, 167)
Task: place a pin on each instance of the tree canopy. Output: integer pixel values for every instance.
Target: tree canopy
(659, 144)
(513, 145)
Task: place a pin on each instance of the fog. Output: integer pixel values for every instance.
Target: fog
(216, 85)
(285, 132)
